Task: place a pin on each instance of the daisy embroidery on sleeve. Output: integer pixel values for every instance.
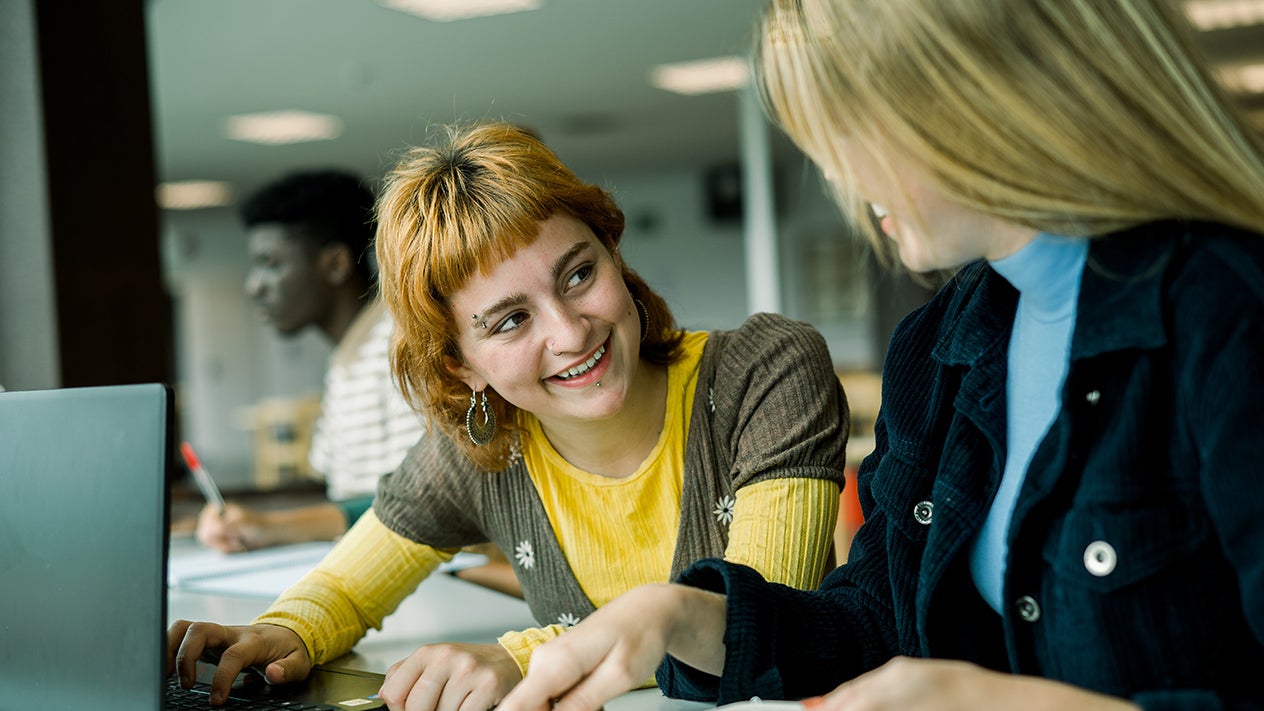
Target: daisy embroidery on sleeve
(724, 510)
(566, 619)
(525, 555)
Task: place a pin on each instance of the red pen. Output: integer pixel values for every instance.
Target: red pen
(206, 485)
(201, 477)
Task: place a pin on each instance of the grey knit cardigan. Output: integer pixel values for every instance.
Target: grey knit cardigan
(767, 404)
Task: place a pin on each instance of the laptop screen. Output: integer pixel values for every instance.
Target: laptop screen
(83, 540)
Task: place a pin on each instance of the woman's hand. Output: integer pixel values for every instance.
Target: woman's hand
(278, 651)
(911, 684)
(619, 646)
(452, 677)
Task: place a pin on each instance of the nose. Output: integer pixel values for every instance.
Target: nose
(253, 284)
(567, 331)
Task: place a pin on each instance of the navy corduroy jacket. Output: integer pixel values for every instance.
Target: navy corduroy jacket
(1136, 564)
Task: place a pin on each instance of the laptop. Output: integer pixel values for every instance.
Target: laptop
(83, 555)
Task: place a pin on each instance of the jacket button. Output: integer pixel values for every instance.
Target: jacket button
(1027, 608)
(1100, 558)
(924, 512)
(1093, 396)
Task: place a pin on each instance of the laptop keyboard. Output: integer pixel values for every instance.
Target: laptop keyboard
(178, 699)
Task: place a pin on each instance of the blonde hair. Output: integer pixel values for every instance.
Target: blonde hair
(1078, 117)
(465, 203)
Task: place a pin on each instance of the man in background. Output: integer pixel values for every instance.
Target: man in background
(310, 237)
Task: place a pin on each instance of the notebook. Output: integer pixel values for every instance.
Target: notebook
(83, 556)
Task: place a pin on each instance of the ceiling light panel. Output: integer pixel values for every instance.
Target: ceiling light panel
(281, 127)
(193, 194)
(449, 10)
(704, 76)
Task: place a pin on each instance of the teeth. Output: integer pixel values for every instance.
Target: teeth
(585, 366)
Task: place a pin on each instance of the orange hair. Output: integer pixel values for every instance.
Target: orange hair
(463, 204)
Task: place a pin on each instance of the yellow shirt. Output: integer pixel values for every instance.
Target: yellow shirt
(609, 529)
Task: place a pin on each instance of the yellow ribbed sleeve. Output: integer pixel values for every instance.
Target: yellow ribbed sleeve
(784, 528)
(360, 582)
(521, 644)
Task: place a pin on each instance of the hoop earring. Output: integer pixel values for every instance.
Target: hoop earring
(645, 318)
(480, 433)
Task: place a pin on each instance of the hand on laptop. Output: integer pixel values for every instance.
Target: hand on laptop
(278, 651)
(443, 676)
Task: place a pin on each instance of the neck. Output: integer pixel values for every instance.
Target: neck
(616, 446)
(342, 312)
(1008, 239)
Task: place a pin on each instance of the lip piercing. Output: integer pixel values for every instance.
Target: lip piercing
(598, 383)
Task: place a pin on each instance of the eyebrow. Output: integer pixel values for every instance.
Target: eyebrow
(559, 266)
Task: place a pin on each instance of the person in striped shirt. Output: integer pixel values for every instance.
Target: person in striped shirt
(309, 237)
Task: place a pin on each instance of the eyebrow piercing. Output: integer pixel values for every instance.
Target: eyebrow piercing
(479, 324)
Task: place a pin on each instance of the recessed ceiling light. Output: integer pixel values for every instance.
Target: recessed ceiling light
(1223, 14)
(280, 127)
(449, 10)
(704, 76)
(193, 194)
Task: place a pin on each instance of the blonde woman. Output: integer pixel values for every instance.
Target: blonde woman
(1062, 508)
(586, 435)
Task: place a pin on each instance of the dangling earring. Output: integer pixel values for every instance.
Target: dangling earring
(645, 318)
(480, 433)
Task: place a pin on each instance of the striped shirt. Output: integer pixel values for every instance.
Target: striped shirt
(365, 426)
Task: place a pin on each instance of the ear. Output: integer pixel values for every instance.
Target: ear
(336, 263)
(464, 373)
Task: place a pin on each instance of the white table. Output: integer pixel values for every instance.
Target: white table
(443, 609)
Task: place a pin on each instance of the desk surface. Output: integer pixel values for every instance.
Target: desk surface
(443, 609)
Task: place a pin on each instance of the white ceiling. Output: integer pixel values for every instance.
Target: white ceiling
(575, 71)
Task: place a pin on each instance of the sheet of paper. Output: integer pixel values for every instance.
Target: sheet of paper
(266, 572)
(208, 564)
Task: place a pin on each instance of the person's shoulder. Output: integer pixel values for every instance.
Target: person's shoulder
(764, 324)
(1223, 257)
(772, 333)
(1194, 259)
(769, 343)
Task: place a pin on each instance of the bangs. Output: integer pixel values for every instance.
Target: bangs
(461, 247)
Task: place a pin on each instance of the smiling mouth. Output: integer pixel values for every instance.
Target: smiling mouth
(578, 370)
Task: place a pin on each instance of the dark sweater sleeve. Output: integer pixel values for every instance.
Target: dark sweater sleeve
(780, 642)
(434, 496)
(781, 403)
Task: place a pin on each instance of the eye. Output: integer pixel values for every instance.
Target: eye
(266, 262)
(579, 276)
(511, 322)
